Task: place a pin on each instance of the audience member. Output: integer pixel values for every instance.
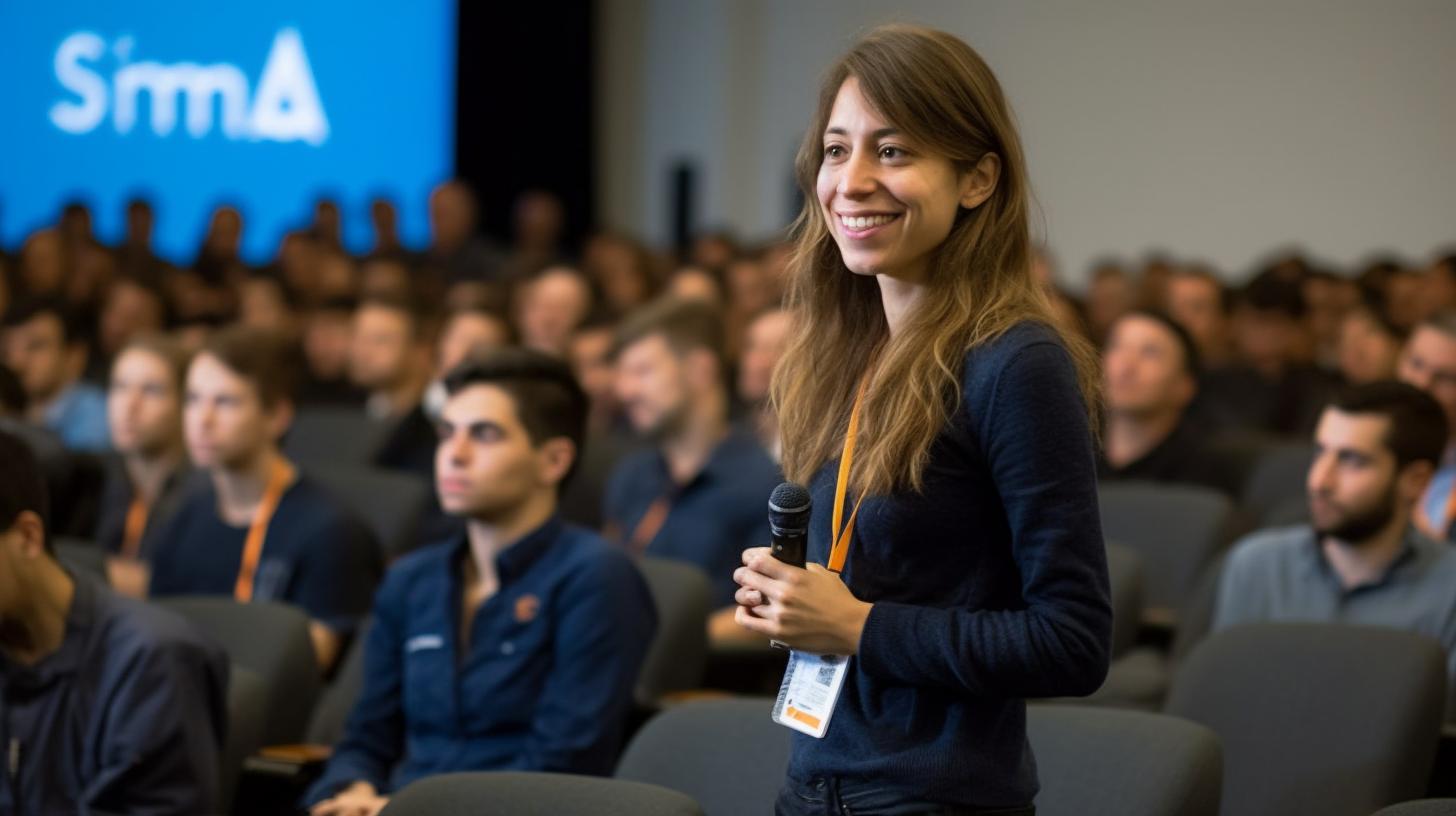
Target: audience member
(145, 484)
(44, 347)
(549, 308)
(1360, 560)
(328, 336)
(764, 343)
(1200, 303)
(390, 358)
(608, 436)
(130, 309)
(1329, 298)
(1428, 362)
(1150, 372)
(384, 219)
(699, 493)
(538, 221)
(516, 644)
(111, 705)
(1110, 295)
(466, 332)
(261, 531)
(621, 270)
(454, 246)
(1369, 346)
(696, 283)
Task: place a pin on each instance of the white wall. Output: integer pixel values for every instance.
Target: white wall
(1218, 132)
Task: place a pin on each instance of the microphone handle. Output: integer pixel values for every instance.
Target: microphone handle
(789, 546)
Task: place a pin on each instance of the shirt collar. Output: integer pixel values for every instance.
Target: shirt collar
(513, 562)
(720, 464)
(1414, 545)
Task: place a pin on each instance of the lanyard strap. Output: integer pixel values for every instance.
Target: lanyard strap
(1448, 514)
(135, 526)
(649, 525)
(844, 535)
(278, 480)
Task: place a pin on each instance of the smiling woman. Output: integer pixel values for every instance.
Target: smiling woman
(928, 394)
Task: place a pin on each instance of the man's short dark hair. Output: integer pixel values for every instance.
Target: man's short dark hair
(1270, 293)
(263, 358)
(407, 307)
(1418, 429)
(686, 325)
(22, 485)
(24, 311)
(1192, 364)
(548, 399)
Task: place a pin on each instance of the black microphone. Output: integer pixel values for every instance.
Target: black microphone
(788, 523)
(788, 527)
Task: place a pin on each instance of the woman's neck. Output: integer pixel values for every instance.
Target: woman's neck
(898, 296)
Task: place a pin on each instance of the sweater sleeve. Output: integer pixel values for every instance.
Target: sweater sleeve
(1035, 435)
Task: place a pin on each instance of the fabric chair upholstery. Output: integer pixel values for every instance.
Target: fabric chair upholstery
(535, 794)
(1175, 529)
(1316, 718)
(271, 640)
(726, 754)
(679, 652)
(1105, 762)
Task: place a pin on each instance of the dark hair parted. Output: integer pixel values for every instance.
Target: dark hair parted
(686, 325)
(22, 485)
(1418, 429)
(263, 358)
(944, 98)
(549, 402)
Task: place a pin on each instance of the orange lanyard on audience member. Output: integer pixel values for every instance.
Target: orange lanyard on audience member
(649, 525)
(1448, 513)
(844, 535)
(136, 524)
(278, 480)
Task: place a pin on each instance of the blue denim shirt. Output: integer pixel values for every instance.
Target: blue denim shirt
(545, 683)
(712, 519)
(78, 416)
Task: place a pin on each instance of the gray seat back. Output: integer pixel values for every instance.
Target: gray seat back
(535, 794)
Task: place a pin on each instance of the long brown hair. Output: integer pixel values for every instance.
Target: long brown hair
(942, 95)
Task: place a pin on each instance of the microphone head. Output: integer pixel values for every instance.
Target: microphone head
(788, 506)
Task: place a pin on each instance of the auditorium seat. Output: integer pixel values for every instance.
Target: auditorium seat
(331, 712)
(1104, 762)
(81, 556)
(726, 754)
(1420, 807)
(535, 794)
(1125, 574)
(1277, 482)
(391, 504)
(247, 711)
(1177, 530)
(679, 652)
(1316, 718)
(270, 639)
(340, 437)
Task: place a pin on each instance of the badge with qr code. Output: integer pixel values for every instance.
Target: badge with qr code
(809, 691)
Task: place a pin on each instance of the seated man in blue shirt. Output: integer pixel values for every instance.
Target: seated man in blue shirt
(1361, 560)
(516, 644)
(44, 346)
(108, 705)
(700, 493)
(260, 530)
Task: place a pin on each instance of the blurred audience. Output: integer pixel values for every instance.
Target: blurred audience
(144, 484)
(44, 346)
(1428, 362)
(1150, 371)
(697, 495)
(389, 357)
(550, 306)
(261, 531)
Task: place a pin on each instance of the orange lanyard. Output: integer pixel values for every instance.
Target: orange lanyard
(844, 535)
(135, 526)
(1448, 513)
(278, 481)
(650, 524)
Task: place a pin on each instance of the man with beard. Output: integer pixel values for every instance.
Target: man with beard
(1360, 561)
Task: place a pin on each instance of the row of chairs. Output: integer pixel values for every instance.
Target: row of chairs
(1267, 719)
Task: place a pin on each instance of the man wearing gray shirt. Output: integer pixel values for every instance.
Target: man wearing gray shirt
(1360, 560)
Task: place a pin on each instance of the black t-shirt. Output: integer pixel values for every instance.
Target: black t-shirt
(316, 555)
(1181, 458)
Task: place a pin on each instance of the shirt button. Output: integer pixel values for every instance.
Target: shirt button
(508, 648)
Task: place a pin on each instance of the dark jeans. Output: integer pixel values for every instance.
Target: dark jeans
(854, 797)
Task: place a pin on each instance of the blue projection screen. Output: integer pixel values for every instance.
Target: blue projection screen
(266, 105)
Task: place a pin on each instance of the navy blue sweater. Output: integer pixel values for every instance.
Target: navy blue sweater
(989, 586)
